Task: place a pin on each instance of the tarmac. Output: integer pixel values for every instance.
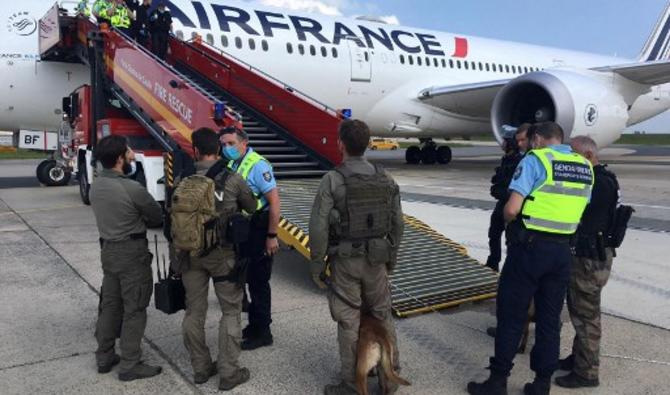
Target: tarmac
(50, 276)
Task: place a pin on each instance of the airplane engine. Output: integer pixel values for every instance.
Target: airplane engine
(582, 102)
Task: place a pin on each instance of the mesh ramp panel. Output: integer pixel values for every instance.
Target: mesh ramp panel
(432, 273)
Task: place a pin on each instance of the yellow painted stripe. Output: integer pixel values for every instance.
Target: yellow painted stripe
(149, 98)
(440, 306)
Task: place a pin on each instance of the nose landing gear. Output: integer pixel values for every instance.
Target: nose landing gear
(428, 154)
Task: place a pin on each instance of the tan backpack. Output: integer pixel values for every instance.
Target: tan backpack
(193, 216)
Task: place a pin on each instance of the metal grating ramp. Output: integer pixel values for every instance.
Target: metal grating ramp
(433, 272)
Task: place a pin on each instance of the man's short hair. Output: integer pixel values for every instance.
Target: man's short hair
(241, 134)
(109, 149)
(355, 135)
(523, 128)
(206, 141)
(584, 144)
(547, 130)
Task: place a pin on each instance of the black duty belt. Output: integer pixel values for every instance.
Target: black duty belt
(551, 237)
(132, 236)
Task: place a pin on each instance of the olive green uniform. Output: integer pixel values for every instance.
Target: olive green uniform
(220, 262)
(123, 209)
(353, 277)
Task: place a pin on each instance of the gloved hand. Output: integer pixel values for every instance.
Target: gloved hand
(317, 269)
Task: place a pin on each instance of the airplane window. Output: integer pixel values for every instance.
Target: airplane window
(252, 44)
(324, 52)
(473, 65)
(334, 52)
(493, 67)
(506, 68)
(210, 39)
(238, 43)
(312, 50)
(264, 45)
(411, 59)
(435, 62)
(224, 40)
(289, 47)
(458, 64)
(427, 61)
(466, 65)
(402, 59)
(419, 61)
(367, 56)
(301, 49)
(180, 34)
(525, 69)
(481, 67)
(487, 66)
(451, 63)
(444, 63)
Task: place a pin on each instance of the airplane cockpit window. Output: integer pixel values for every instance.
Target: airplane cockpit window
(210, 39)
(224, 40)
(264, 45)
(289, 47)
(238, 43)
(334, 52)
(301, 49)
(324, 52)
(252, 44)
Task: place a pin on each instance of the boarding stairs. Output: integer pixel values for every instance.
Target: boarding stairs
(199, 85)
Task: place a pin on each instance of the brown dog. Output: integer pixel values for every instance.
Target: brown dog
(375, 349)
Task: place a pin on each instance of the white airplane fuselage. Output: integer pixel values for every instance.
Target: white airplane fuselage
(375, 70)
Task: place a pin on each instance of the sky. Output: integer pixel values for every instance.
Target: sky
(614, 27)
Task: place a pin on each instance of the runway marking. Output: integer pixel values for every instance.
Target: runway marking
(650, 206)
(37, 210)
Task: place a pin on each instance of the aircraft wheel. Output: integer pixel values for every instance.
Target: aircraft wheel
(84, 186)
(39, 171)
(428, 155)
(413, 155)
(443, 154)
(52, 174)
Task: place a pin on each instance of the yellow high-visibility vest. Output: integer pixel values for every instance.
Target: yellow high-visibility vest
(121, 18)
(557, 205)
(249, 161)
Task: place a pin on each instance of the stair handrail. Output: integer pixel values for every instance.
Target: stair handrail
(267, 76)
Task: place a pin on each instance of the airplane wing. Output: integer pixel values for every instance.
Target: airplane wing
(648, 73)
(473, 100)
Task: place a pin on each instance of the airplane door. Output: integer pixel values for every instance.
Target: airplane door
(361, 62)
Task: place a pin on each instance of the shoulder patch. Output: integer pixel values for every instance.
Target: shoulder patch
(267, 176)
(517, 172)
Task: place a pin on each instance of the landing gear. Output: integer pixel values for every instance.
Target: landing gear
(51, 173)
(429, 154)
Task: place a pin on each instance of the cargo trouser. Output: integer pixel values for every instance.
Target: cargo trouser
(587, 279)
(219, 262)
(126, 290)
(362, 285)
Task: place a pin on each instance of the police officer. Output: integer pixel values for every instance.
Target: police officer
(549, 191)
(100, 11)
(232, 196)
(120, 17)
(141, 24)
(83, 8)
(160, 24)
(500, 182)
(263, 243)
(361, 242)
(123, 210)
(591, 268)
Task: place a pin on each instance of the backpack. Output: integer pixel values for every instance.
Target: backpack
(368, 203)
(193, 216)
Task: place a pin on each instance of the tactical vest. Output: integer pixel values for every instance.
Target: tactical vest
(248, 163)
(121, 18)
(557, 205)
(366, 211)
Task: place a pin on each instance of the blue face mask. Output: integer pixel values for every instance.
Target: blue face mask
(230, 152)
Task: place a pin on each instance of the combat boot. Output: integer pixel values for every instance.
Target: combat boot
(257, 341)
(339, 389)
(539, 386)
(106, 368)
(573, 380)
(203, 377)
(241, 376)
(496, 384)
(248, 331)
(567, 363)
(140, 371)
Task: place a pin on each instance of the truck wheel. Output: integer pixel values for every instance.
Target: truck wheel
(84, 186)
(52, 174)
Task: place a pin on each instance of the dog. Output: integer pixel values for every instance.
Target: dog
(375, 349)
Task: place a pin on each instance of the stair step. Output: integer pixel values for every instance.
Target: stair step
(272, 157)
(270, 142)
(254, 128)
(262, 136)
(266, 150)
(299, 173)
(294, 164)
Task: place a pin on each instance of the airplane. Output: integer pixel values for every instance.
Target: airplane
(404, 82)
